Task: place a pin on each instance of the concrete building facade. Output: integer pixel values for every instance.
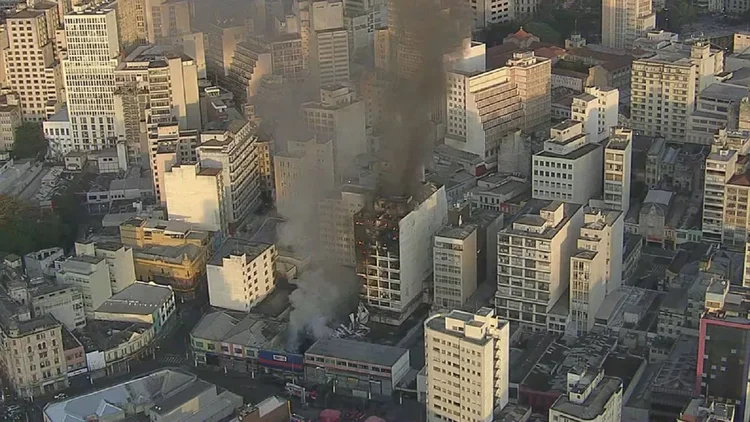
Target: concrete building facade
(196, 195)
(91, 276)
(455, 266)
(625, 21)
(241, 274)
(618, 154)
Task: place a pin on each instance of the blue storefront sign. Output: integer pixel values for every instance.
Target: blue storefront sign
(281, 361)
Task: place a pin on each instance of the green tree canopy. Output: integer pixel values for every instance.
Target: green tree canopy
(30, 141)
(25, 228)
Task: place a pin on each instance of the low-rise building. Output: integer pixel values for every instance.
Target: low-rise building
(161, 396)
(41, 263)
(591, 397)
(148, 303)
(75, 355)
(357, 368)
(235, 341)
(31, 351)
(64, 302)
(90, 275)
(119, 259)
(241, 274)
(111, 345)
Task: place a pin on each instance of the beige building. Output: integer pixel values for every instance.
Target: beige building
(234, 152)
(93, 54)
(251, 62)
(131, 23)
(265, 166)
(625, 21)
(195, 194)
(241, 274)
(166, 19)
(455, 266)
(154, 85)
(534, 262)
(533, 75)
(306, 167)
(10, 120)
(336, 221)
(472, 348)
(30, 63)
(64, 302)
(169, 146)
(90, 275)
(339, 115)
(119, 259)
(591, 397)
(31, 352)
(288, 57)
(664, 87)
(221, 43)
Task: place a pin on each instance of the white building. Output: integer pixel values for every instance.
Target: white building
(597, 109)
(617, 169)
(569, 167)
(596, 267)
(472, 348)
(118, 257)
(91, 276)
(148, 303)
(339, 115)
(64, 302)
(33, 71)
(490, 12)
(57, 131)
(196, 195)
(591, 397)
(93, 54)
(625, 21)
(534, 261)
(328, 43)
(455, 266)
(664, 87)
(241, 274)
(721, 166)
(336, 221)
(169, 146)
(393, 243)
(234, 151)
(306, 167)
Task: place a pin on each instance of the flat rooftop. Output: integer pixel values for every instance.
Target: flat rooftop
(595, 403)
(458, 233)
(139, 298)
(356, 351)
(235, 246)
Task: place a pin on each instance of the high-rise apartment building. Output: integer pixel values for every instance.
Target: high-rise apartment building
(533, 75)
(393, 243)
(569, 167)
(221, 42)
(169, 146)
(336, 222)
(195, 194)
(590, 397)
(265, 166)
(340, 115)
(472, 348)
(251, 62)
(723, 344)
(93, 54)
(534, 261)
(329, 44)
(10, 120)
(131, 23)
(625, 21)
(491, 12)
(154, 85)
(90, 275)
(33, 72)
(721, 167)
(596, 267)
(618, 157)
(166, 19)
(31, 355)
(234, 152)
(455, 265)
(241, 274)
(288, 57)
(664, 87)
(597, 108)
(305, 167)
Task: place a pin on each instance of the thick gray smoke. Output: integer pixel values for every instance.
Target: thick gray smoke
(424, 31)
(322, 297)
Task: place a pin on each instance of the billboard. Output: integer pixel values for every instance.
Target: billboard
(281, 361)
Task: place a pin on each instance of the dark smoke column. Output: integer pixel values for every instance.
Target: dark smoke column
(421, 32)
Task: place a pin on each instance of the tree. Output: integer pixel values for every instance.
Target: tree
(24, 228)
(29, 142)
(544, 31)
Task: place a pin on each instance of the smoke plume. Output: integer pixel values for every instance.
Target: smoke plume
(421, 33)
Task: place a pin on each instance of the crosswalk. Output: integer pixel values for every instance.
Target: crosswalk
(172, 359)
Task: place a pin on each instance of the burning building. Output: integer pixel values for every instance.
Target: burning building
(393, 245)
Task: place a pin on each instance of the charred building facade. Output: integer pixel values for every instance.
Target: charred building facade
(393, 245)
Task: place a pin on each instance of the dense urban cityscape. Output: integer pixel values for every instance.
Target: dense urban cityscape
(375, 210)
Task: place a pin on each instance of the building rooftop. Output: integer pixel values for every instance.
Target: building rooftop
(573, 155)
(13, 324)
(111, 402)
(106, 335)
(172, 254)
(459, 233)
(677, 373)
(725, 91)
(139, 298)
(595, 403)
(357, 351)
(529, 215)
(235, 246)
(237, 328)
